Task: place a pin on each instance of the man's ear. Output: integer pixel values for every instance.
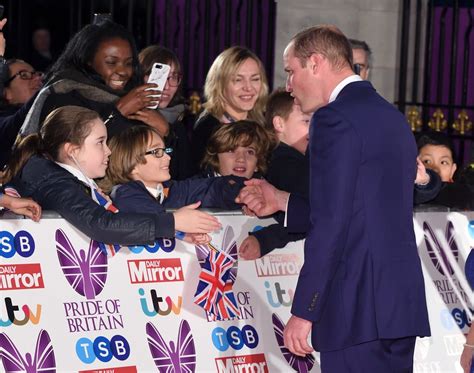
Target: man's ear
(315, 62)
(278, 124)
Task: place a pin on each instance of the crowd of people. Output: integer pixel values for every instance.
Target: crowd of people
(242, 131)
(81, 139)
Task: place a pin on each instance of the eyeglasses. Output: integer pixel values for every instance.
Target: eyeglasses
(159, 152)
(174, 79)
(25, 75)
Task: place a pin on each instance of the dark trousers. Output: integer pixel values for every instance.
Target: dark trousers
(379, 356)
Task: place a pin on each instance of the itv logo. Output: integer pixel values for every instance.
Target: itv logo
(14, 314)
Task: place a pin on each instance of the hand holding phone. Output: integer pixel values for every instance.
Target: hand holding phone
(159, 76)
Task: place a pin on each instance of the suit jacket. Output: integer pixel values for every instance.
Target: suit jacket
(362, 277)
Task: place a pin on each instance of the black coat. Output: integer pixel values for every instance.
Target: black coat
(203, 129)
(11, 120)
(71, 87)
(289, 171)
(56, 189)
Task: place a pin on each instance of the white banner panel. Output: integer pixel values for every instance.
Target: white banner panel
(66, 307)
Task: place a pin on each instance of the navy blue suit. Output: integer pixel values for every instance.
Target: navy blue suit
(362, 279)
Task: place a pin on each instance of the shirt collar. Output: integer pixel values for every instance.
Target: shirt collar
(342, 84)
(157, 192)
(78, 174)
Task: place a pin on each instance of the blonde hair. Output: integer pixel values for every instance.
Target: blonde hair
(326, 40)
(128, 150)
(232, 135)
(221, 73)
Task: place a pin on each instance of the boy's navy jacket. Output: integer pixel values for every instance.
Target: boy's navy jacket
(56, 189)
(217, 192)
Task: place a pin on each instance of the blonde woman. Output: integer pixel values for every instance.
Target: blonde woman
(236, 88)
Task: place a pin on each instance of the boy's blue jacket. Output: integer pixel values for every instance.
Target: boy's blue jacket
(216, 192)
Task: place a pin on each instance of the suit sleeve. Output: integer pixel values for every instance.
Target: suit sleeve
(335, 153)
(274, 236)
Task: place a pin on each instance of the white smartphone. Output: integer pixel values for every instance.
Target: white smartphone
(159, 75)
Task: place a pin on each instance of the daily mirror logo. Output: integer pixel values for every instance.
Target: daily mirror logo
(21, 276)
(244, 363)
(175, 356)
(278, 265)
(155, 270)
(86, 271)
(42, 361)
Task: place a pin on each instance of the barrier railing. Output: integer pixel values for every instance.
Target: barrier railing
(73, 309)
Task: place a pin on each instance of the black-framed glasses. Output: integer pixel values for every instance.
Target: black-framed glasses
(159, 152)
(174, 79)
(25, 75)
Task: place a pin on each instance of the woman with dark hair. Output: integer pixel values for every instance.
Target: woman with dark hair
(170, 112)
(99, 70)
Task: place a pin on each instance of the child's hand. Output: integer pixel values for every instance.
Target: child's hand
(250, 249)
(22, 206)
(190, 220)
(422, 177)
(197, 238)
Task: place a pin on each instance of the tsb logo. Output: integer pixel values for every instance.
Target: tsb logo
(103, 349)
(165, 244)
(460, 317)
(21, 243)
(235, 338)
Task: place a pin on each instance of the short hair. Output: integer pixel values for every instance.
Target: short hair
(361, 44)
(280, 103)
(229, 136)
(127, 151)
(436, 139)
(326, 40)
(64, 124)
(220, 74)
(157, 53)
(82, 47)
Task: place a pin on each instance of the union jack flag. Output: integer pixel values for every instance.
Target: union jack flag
(108, 249)
(214, 290)
(226, 308)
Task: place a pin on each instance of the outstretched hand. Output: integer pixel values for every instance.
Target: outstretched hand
(262, 198)
(190, 220)
(22, 206)
(422, 177)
